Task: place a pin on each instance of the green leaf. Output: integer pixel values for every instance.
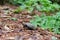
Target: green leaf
(52, 23)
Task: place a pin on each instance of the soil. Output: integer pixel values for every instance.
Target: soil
(13, 29)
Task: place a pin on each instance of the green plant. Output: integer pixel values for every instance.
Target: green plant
(40, 5)
(19, 9)
(55, 1)
(52, 23)
(47, 6)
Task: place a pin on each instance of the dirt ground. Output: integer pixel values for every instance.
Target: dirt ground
(13, 29)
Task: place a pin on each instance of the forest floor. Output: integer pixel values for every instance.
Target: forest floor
(11, 27)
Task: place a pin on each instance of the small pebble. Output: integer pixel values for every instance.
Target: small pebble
(54, 38)
(29, 25)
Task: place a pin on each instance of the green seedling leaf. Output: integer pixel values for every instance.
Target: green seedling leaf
(14, 19)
